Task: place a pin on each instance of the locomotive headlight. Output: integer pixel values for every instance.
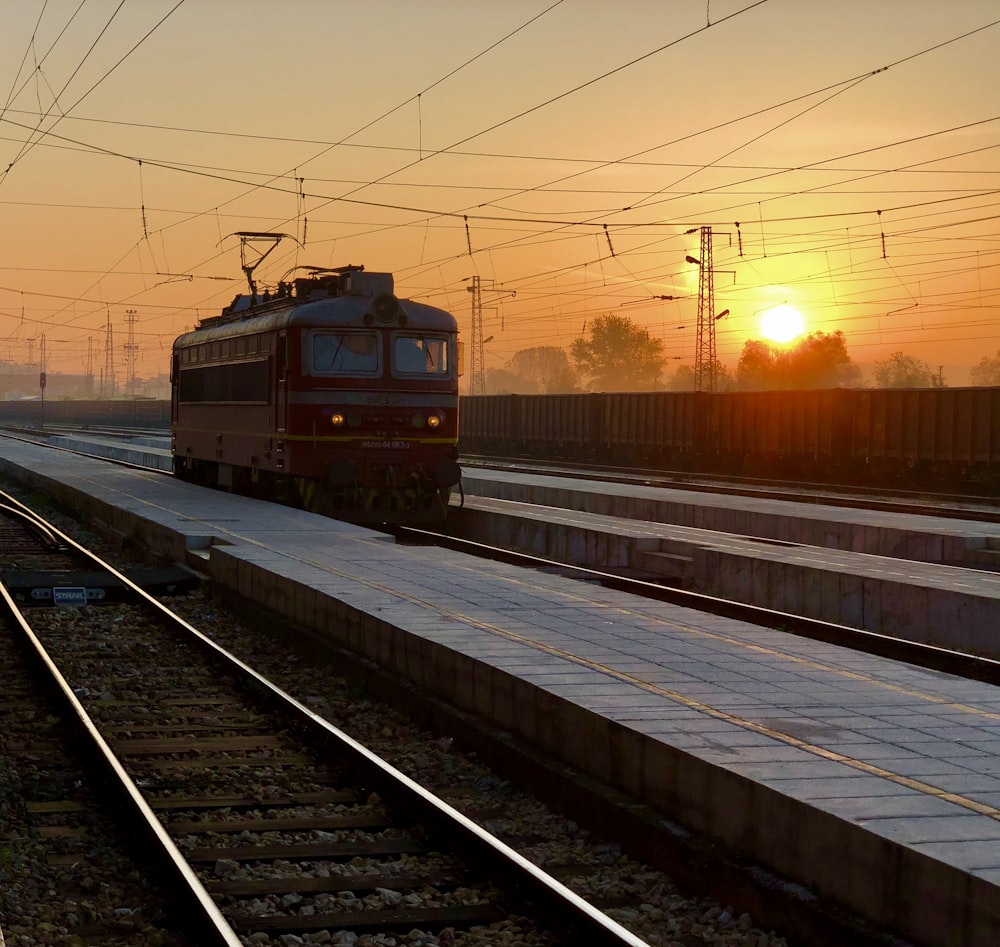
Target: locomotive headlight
(336, 419)
(417, 420)
(354, 419)
(434, 421)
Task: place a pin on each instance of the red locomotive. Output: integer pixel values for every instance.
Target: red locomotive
(331, 392)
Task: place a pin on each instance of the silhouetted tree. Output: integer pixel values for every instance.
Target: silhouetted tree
(547, 367)
(618, 355)
(684, 378)
(499, 381)
(756, 369)
(905, 371)
(987, 372)
(819, 360)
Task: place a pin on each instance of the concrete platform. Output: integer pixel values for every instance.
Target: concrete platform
(895, 535)
(943, 605)
(144, 451)
(872, 782)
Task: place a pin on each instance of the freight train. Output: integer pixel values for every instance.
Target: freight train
(331, 393)
(944, 436)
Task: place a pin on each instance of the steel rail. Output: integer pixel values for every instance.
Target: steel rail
(213, 928)
(36, 525)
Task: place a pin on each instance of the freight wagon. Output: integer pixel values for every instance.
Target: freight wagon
(879, 436)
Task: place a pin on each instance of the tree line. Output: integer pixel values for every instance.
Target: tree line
(614, 354)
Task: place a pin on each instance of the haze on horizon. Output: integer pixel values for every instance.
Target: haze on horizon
(846, 157)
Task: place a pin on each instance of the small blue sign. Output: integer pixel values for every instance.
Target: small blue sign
(72, 597)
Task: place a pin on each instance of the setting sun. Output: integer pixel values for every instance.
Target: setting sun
(782, 323)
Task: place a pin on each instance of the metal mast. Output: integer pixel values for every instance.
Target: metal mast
(477, 374)
(108, 374)
(705, 360)
(89, 382)
(131, 349)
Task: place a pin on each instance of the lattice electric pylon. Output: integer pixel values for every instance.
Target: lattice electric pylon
(131, 352)
(477, 370)
(108, 373)
(705, 359)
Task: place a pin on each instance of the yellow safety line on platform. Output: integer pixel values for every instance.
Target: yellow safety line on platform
(745, 724)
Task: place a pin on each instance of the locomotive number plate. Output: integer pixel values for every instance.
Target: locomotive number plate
(385, 445)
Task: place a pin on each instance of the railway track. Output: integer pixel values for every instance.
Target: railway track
(266, 820)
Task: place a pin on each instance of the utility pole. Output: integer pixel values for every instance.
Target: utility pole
(477, 373)
(131, 348)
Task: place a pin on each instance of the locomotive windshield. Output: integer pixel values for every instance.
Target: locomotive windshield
(345, 353)
(420, 355)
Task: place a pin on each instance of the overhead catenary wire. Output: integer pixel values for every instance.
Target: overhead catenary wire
(55, 99)
(627, 250)
(446, 76)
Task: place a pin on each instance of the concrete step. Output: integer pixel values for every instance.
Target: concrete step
(987, 556)
(670, 564)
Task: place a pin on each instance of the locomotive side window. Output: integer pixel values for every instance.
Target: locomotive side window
(239, 381)
(345, 353)
(420, 355)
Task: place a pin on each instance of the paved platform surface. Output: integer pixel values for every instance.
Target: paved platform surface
(873, 782)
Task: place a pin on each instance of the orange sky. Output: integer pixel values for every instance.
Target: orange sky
(569, 145)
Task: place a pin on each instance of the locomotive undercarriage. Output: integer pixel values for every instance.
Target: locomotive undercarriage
(404, 498)
(418, 500)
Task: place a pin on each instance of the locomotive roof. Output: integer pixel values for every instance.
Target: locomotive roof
(328, 312)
